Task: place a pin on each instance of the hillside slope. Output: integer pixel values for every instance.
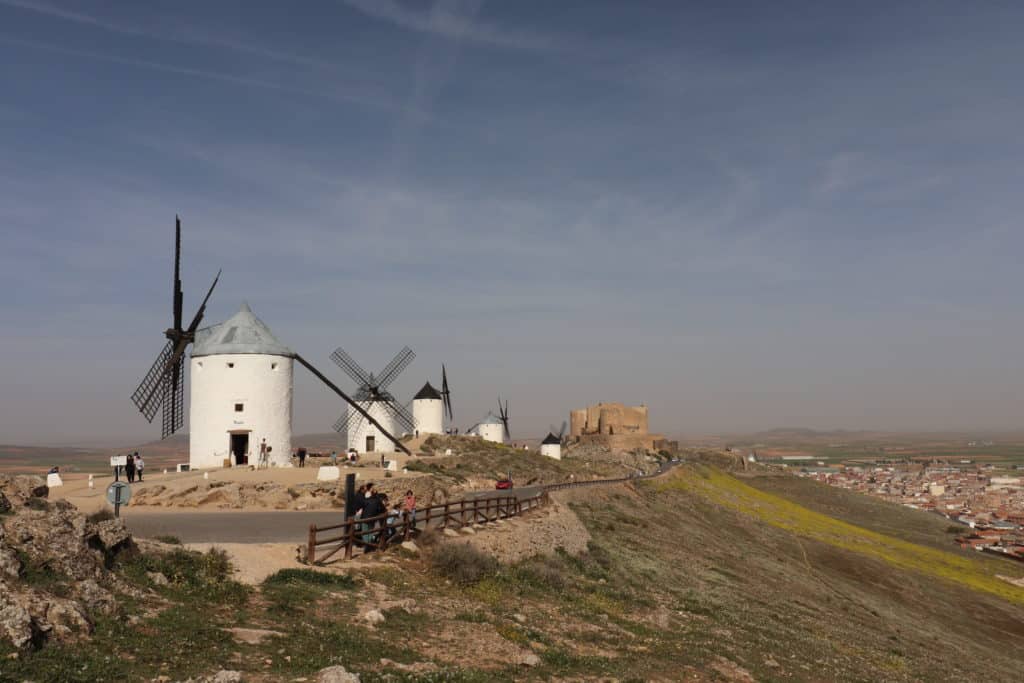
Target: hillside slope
(695, 575)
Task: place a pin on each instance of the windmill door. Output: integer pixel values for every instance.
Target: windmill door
(240, 448)
(370, 444)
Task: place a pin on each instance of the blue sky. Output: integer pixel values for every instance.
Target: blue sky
(746, 215)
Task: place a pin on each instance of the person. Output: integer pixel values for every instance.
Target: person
(129, 469)
(139, 465)
(394, 518)
(263, 454)
(54, 470)
(334, 457)
(371, 509)
(409, 506)
(302, 457)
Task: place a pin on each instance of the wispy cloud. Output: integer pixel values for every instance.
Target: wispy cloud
(185, 35)
(454, 19)
(206, 74)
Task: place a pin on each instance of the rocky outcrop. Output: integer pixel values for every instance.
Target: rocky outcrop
(53, 566)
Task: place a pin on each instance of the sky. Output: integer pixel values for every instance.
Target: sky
(745, 215)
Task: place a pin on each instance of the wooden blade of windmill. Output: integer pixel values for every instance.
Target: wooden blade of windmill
(446, 394)
(400, 414)
(351, 368)
(202, 309)
(150, 393)
(174, 400)
(178, 296)
(394, 368)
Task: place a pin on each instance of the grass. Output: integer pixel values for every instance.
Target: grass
(726, 490)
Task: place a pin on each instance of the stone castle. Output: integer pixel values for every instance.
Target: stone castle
(617, 426)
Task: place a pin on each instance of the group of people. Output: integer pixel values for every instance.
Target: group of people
(134, 466)
(370, 504)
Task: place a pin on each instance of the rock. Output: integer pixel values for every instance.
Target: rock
(410, 546)
(253, 636)
(450, 532)
(526, 659)
(520, 618)
(226, 676)
(16, 623)
(157, 578)
(113, 534)
(10, 565)
(372, 617)
(5, 505)
(468, 530)
(336, 674)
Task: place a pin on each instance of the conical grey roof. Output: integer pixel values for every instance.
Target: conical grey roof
(550, 439)
(490, 419)
(241, 333)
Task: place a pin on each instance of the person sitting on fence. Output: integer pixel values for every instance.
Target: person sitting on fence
(394, 520)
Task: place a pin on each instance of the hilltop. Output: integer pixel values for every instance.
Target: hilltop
(700, 574)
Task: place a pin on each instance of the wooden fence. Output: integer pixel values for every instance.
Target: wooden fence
(376, 533)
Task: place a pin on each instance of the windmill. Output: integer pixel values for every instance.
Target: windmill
(551, 445)
(446, 395)
(372, 392)
(559, 433)
(503, 416)
(163, 385)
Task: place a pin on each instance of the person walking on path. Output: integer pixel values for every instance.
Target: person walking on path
(302, 457)
(129, 469)
(139, 466)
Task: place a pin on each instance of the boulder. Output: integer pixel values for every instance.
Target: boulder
(373, 617)
(5, 505)
(336, 674)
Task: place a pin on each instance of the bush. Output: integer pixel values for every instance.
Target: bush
(462, 563)
(310, 576)
(170, 540)
(100, 516)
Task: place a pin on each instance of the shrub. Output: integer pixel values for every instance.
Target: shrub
(310, 576)
(100, 516)
(170, 540)
(462, 563)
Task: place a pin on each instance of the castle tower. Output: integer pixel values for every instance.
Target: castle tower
(241, 394)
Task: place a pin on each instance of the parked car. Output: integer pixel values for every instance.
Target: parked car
(503, 484)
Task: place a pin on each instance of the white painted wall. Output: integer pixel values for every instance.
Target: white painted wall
(491, 432)
(428, 415)
(552, 450)
(382, 444)
(262, 384)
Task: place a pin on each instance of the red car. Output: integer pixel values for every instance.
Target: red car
(503, 484)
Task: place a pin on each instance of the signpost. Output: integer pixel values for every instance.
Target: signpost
(117, 462)
(118, 494)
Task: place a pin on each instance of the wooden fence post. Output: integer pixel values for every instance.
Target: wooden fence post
(350, 538)
(311, 545)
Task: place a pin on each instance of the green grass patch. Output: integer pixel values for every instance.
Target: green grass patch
(728, 491)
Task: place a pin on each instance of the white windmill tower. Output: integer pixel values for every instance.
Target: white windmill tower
(241, 395)
(493, 428)
(551, 445)
(373, 397)
(430, 407)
